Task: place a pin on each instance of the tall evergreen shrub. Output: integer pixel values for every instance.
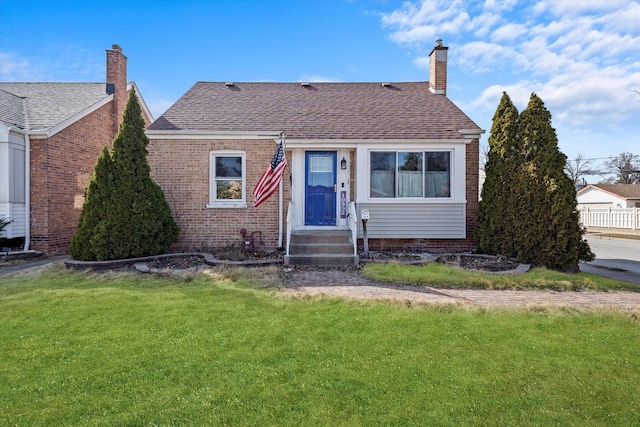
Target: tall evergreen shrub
(528, 208)
(125, 214)
(548, 232)
(96, 208)
(496, 213)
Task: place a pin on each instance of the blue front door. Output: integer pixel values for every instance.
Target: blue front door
(320, 188)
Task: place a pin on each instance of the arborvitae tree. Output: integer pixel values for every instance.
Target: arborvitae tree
(547, 224)
(97, 199)
(495, 213)
(134, 219)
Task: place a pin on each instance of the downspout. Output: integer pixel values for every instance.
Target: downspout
(27, 192)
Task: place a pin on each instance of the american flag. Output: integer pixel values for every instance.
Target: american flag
(271, 177)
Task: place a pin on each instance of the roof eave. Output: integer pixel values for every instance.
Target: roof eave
(471, 133)
(209, 134)
(595, 187)
(48, 133)
(141, 100)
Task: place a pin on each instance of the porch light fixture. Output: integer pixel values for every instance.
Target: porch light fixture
(343, 163)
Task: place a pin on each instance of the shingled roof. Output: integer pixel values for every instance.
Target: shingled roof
(318, 110)
(12, 109)
(42, 106)
(626, 191)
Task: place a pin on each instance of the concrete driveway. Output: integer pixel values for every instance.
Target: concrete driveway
(617, 258)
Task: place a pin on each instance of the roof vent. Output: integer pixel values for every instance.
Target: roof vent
(229, 84)
(305, 84)
(386, 84)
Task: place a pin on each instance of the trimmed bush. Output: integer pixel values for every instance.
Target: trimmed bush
(125, 214)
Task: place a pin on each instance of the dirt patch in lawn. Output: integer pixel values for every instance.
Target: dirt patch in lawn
(479, 262)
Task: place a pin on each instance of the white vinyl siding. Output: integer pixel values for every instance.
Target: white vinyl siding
(414, 220)
(12, 183)
(16, 213)
(17, 190)
(433, 215)
(596, 199)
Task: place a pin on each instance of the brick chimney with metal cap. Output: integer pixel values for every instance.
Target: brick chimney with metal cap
(438, 69)
(117, 82)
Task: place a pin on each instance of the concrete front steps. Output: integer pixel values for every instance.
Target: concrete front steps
(321, 248)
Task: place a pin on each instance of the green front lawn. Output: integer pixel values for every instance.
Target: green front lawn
(440, 275)
(127, 349)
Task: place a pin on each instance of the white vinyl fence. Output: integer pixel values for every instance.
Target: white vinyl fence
(628, 218)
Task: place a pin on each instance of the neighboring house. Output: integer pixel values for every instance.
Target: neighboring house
(403, 151)
(51, 135)
(599, 196)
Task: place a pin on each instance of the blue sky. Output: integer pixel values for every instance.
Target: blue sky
(581, 57)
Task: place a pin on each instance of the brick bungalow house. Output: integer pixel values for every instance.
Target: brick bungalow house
(401, 151)
(51, 135)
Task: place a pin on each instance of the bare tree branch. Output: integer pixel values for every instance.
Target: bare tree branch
(484, 154)
(626, 166)
(580, 167)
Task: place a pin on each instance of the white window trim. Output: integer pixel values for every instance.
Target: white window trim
(452, 175)
(233, 204)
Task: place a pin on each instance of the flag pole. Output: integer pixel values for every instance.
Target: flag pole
(281, 197)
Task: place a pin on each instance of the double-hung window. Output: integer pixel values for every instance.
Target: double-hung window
(227, 179)
(410, 174)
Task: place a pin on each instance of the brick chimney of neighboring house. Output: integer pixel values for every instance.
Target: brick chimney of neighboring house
(438, 69)
(117, 82)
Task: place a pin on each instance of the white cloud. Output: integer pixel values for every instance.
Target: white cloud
(417, 34)
(624, 19)
(581, 57)
(499, 5)
(480, 56)
(70, 64)
(482, 24)
(518, 92)
(14, 68)
(422, 62)
(576, 8)
(508, 32)
(429, 11)
(158, 106)
(424, 24)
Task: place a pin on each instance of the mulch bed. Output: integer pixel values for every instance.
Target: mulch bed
(234, 253)
(229, 253)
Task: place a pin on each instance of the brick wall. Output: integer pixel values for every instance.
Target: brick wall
(438, 69)
(117, 76)
(472, 166)
(181, 168)
(426, 245)
(61, 167)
